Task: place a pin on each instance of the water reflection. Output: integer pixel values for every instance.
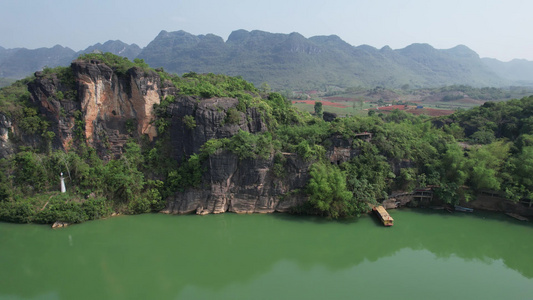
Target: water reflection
(447, 278)
(193, 257)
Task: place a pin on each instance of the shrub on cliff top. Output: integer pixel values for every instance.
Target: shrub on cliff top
(118, 63)
(213, 85)
(14, 97)
(65, 76)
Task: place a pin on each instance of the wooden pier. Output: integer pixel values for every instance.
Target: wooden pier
(517, 216)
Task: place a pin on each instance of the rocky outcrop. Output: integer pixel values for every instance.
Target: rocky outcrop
(111, 107)
(211, 121)
(341, 150)
(59, 224)
(107, 108)
(230, 184)
(115, 107)
(6, 147)
(244, 186)
(48, 94)
(329, 116)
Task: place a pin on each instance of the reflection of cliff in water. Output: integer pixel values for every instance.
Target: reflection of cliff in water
(483, 237)
(162, 255)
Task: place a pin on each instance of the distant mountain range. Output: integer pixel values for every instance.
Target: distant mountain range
(20, 62)
(518, 71)
(291, 61)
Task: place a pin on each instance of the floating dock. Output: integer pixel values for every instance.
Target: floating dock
(518, 217)
(383, 215)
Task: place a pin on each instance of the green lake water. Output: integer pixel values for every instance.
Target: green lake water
(425, 255)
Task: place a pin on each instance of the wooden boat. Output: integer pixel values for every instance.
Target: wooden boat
(383, 215)
(463, 209)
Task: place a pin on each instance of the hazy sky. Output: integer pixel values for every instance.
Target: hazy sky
(493, 28)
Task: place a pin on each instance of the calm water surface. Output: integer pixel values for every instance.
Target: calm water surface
(426, 255)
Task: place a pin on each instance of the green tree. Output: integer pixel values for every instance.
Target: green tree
(265, 88)
(30, 171)
(189, 122)
(454, 166)
(328, 193)
(521, 167)
(233, 116)
(319, 112)
(486, 163)
(483, 137)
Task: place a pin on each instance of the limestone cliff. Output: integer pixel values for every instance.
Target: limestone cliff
(59, 112)
(244, 186)
(111, 107)
(115, 107)
(104, 108)
(250, 185)
(230, 184)
(210, 117)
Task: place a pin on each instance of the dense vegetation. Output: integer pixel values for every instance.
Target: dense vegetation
(405, 152)
(119, 64)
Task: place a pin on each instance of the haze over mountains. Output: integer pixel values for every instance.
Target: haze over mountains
(20, 62)
(291, 61)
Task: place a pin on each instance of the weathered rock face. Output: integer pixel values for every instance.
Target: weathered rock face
(211, 121)
(6, 147)
(329, 117)
(115, 107)
(341, 150)
(230, 184)
(243, 186)
(60, 113)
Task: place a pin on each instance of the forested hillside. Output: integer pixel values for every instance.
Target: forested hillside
(214, 143)
(293, 62)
